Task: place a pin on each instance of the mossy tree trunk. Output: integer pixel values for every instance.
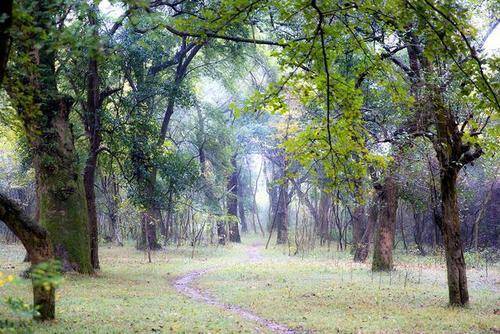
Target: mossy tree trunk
(63, 210)
(44, 112)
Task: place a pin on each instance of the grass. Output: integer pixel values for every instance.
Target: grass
(130, 295)
(328, 293)
(322, 292)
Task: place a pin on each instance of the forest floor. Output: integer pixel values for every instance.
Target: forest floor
(245, 288)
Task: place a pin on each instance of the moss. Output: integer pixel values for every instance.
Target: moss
(63, 213)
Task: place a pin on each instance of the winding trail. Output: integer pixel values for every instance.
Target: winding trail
(185, 285)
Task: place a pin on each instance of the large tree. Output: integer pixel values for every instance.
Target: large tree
(44, 111)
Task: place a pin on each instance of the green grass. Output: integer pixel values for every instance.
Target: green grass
(321, 292)
(328, 293)
(130, 295)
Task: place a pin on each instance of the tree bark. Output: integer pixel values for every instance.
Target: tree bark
(455, 262)
(384, 241)
(35, 240)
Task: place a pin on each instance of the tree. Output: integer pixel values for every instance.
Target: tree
(44, 111)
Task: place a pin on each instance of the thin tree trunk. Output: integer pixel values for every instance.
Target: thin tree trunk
(232, 203)
(419, 230)
(363, 246)
(92, 122)
(255, 207)
(305, 198)
(280, 187)
(358, 226)
(241, 203)
(401, 224)
(182, 65)
(221, 233)
(480, 216)
(325, 203)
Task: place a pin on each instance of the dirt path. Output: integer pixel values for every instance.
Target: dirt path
(185, 285)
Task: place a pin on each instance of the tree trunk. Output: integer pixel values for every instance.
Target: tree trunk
(221, 233)
(149, 238)
(113, 211)
(363, 247)
(63, 210)
(282, 219)
(88, 181)
(455, 262)
(359, 224)
(92, 122)
(402, 226)
(241, 204)
(232, 203)
(325, 203)
(480, 216)
(419, 230)
(36, 241)
(278, 195)
(387, 198)
(305, 198)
